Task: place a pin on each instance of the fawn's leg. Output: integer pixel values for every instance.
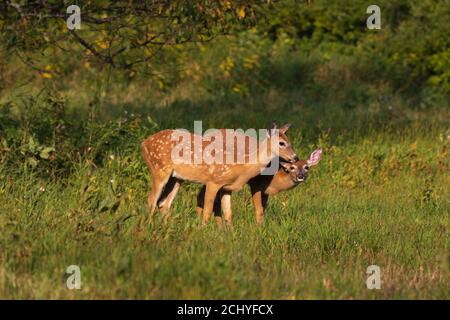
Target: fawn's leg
(216, 209)
(169, 193)
(260, 202)
(210, 195)
(159, 182)
(226, 207)
(264, 199)
(200, 202)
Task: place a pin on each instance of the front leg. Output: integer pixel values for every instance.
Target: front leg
(210, 196)
(226, 207)
(260, 202)
(201, 202)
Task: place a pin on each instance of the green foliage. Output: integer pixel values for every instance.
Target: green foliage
(411, 51)
(42, 134)
(125, 34)
(158, 40)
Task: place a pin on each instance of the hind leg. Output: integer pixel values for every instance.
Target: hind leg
(169, 193)
(159, 182)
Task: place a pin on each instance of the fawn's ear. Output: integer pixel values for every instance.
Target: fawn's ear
(285, 128)
(314, 158)
(271, 129)
(286, 165)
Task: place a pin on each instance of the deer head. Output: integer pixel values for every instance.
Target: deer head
(298, 171)
(280, 143)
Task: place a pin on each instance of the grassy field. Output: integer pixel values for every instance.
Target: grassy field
(73, 184)
(379, 196)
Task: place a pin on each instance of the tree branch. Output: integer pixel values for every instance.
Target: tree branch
(84, 43)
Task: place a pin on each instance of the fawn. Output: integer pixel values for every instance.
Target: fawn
(263, 186)
(167, 174)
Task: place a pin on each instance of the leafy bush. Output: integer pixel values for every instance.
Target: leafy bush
(411, 51)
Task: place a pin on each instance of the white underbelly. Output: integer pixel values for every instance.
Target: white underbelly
(181, 177)
(178, 176)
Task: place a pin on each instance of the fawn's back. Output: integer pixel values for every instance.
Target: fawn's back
(162, 151)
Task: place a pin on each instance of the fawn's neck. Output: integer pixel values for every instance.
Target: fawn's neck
(263, 155)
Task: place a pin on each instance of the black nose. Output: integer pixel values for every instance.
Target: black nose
(302, 174)
(295, 159)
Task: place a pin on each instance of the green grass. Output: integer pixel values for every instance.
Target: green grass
(379, 196)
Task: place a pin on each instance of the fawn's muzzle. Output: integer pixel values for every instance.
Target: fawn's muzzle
(302, 175)
(293, 159)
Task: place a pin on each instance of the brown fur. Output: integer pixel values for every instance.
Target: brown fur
(167, 175)
(261, 187)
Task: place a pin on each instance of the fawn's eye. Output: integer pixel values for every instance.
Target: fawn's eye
(306, 167)
(282, 144)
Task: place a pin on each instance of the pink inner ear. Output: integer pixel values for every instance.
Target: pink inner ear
(314, 158)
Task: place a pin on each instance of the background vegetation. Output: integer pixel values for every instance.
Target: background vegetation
(73, 185)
